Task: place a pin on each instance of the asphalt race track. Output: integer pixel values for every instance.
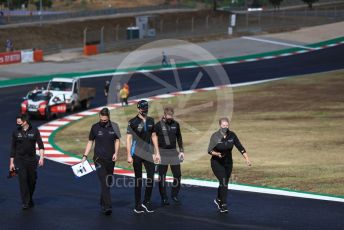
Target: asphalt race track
(64, 202)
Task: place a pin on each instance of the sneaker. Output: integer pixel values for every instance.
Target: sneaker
(25, 206)
(147, 206)
(107, 211)
(224, 208)
(139, 209)
(218, 203)
(176, 199)
(165, 202)
(31, 204)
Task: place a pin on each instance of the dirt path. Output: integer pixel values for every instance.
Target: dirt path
(312, 34)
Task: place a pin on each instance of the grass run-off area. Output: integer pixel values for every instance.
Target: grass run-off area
(293, 130)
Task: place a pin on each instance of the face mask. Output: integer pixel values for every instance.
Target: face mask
(224, 130)
(144, 113)
(103, 124)
(19, 127)
(169, 120)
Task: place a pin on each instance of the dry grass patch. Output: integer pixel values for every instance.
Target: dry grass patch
(293, 131)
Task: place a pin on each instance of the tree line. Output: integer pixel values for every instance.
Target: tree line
(17, 4)
(275, 3)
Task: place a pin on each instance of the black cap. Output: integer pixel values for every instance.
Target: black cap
(143, 104)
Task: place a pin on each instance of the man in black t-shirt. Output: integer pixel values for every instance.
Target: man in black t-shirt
(142, 142)
(106, 135)
(168, 132)
(23, 158)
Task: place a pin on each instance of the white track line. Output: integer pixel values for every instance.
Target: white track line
(87, 113)
(277, 43)
(71, 117)
(48, 128)
(58, 122)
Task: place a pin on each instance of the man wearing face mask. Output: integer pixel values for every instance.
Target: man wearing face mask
(220, 148)
(142, 148)
(106, 135)
(168, 132)
(23, 158)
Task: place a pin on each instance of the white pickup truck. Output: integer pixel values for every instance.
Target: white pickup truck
(74, 95)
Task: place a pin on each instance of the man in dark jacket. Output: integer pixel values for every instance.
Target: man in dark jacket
(23, 158)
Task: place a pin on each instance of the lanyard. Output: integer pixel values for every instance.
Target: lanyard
(164, 133)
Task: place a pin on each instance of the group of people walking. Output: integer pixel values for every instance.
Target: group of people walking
(148, 143)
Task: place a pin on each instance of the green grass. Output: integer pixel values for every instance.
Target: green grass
(292, 128)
